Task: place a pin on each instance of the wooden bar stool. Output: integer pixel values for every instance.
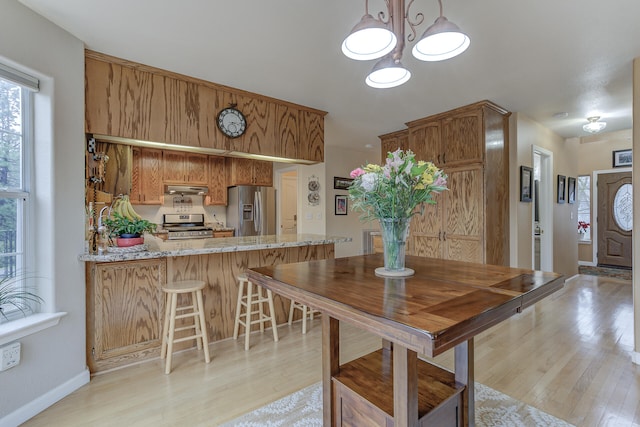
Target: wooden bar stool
(254, 297)
(174, 312)
(306, 312)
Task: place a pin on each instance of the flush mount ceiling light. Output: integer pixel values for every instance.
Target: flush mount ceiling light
(594, 126)
(373, 38)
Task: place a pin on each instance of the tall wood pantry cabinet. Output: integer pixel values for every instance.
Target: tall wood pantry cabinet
(470, 221)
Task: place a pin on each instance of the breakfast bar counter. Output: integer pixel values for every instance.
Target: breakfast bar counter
(125, 304)
(158, 247)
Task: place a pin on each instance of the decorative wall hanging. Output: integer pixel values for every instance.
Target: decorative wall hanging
(314, 191)
(561, 184)
(571, 190)
(341, 183)
(342, 203)
(622, 158)
(526, 183)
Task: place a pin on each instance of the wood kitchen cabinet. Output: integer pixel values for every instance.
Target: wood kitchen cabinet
(125, 305)
(183, 167)
(453, 228)
(450, 139)
(146, 176)
(249, 172)
(130, 100)
(287, 127)
(311, 136)
(217, 181)
(125, 309)
(393, 141)
(470, 220)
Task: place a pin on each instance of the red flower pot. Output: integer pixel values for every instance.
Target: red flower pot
(125, 242)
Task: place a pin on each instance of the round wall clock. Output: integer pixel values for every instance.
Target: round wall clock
(232, 122)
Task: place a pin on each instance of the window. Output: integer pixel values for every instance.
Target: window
(584, 205)
(16, 93)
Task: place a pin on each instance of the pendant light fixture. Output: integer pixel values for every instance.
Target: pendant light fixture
(373, 38)
(369, 39)
(594, 126)
(442, 40)
(388, 73)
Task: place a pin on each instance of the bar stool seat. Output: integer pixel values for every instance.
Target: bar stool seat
(307, 312)
(173, 312)
(253, 304)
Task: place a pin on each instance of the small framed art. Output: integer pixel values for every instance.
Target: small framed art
(622, 158)
(341, 205)
(561, 184)
(571, 190)
(341, 183)
(526, 183)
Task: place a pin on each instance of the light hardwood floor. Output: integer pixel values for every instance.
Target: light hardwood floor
(569, 355)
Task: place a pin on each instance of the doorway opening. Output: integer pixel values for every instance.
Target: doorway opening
(542, 227)
(288, 203)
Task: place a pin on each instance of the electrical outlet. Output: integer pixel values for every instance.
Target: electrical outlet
(9, 356)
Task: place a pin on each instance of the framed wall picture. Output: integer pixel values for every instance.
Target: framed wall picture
(341, 183)
(622, 158)
(341, 205)
(571, 190)
(561, 184)
(526, 183)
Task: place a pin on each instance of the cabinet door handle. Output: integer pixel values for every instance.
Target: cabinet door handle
(444, 160)
(440, 235)
(439, 158)
(444, 236)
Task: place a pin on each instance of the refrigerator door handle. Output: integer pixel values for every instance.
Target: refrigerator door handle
(257, 221)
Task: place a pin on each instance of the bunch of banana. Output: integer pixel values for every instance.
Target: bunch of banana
(122, 206)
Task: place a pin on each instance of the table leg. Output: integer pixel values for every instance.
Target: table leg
(405, 387)
(464, 359)
(330, 366)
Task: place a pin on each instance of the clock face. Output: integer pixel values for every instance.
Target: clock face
(232, 122)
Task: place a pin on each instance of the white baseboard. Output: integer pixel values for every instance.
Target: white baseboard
(635, 356)
(41, 403)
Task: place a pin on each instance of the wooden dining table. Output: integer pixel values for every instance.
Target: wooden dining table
(441, 307)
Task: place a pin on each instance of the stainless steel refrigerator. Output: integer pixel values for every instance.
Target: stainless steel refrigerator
(251, 210)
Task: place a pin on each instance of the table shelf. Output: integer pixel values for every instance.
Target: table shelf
(363, 392)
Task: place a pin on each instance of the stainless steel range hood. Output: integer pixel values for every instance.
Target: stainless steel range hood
(185, 190)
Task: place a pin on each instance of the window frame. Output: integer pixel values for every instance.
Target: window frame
(25, 249)
(580, 205)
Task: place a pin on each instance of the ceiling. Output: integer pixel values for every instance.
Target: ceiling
(538, 57)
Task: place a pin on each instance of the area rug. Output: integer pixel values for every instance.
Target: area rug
(304, 409)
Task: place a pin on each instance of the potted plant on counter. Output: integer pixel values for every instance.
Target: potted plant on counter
(128, 231)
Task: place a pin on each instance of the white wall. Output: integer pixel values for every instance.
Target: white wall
(340, 161)
(565, 256)
(53, 361)
(311, 218)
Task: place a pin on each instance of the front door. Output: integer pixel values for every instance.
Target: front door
(615, 218)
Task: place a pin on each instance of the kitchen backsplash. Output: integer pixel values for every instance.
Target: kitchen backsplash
(214, 215)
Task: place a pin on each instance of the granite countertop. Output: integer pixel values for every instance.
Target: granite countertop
(157, 247)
